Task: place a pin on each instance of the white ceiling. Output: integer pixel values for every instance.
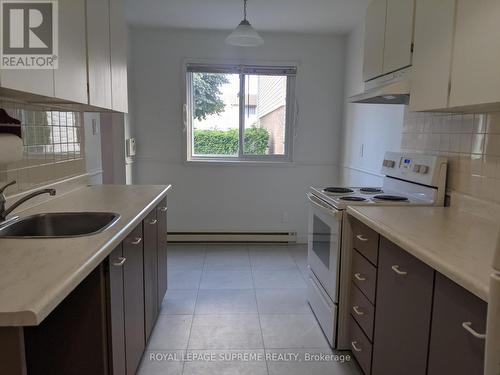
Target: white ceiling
(308, 16)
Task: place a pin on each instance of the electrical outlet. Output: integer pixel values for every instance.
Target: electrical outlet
(284, 217)
(95, 127)
(362, 150)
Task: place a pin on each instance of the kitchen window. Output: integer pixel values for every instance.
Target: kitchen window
(239, 113)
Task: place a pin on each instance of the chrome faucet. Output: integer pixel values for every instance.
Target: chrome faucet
(4, 212)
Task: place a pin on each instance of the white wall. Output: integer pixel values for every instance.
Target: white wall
(377, 128)
(235, 197)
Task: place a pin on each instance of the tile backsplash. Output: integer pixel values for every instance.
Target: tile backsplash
(470, 141)
(53, 147)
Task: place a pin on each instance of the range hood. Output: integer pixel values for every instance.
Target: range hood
(393, 88)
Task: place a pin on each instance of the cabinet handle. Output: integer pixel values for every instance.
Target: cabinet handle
(137, 241)
(359, 277)
(121, 262)
(356, 349)
(153, 222)
(361, 238)
(357, 311)
(468, 327)
(396, 269)
(162, 209)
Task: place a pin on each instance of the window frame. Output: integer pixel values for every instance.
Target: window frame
(288, 70)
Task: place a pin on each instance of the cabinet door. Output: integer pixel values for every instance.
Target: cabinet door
(453, 349)
(162, 250)
(98, 53)
(398, 34)
(475, 77)
(116, 315)
(374, 39)
(70, 79)
(150, 272)
(118, 43)
(403, 313)
(434, 28)
(133, 286)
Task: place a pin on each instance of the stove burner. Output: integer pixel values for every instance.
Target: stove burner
(337, 190)
(393, 198)
(353, 199)
(371, 190)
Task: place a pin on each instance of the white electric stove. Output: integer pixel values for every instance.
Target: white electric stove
(410, 180)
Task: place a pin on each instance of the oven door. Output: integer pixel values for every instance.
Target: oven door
(323, 256)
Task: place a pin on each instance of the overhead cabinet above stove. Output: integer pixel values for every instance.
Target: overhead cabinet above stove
(388, 37)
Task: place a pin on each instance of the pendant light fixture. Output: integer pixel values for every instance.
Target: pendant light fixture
(244, 35)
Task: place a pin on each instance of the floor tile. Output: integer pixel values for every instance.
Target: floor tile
(283, 301)
(170, 332)
(227, 362)
(311, 362)
(227, 257)
(299, 255)
(271, 258)
(161, 363)
(186, 257)
(226, 301)
(184, 279)
(179, 302)
(237, 279)
(291, 331)
(226, 332)
(291, 278)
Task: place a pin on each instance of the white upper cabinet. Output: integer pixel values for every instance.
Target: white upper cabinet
(434, 27)
(475, 76)
(374, 39)
(98, 52)
(118, 38)
(398, 34)
(70, 80)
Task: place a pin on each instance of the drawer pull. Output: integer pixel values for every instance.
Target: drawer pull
(357, 311)
(137, 241)
(153, 222)
(121, 262)
(396, 269)
(359, 277)
(354, 346)
(162, 209)
(468, 327)
(361, 238)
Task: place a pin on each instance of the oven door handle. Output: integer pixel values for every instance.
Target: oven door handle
(323, 206)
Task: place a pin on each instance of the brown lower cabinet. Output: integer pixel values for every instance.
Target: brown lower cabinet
(100, 327)
(454, 349)
(403, 313)
(425, 324)
(151, 307)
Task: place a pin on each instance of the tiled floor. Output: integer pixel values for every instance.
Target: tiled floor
(235, 309)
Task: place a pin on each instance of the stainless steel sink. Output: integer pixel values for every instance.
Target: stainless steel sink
(58, 225)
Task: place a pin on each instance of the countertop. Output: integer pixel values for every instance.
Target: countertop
(457, 244)
(37, 274)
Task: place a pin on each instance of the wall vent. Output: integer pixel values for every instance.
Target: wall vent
(232, 237)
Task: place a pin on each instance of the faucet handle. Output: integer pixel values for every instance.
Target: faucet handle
(2, 189)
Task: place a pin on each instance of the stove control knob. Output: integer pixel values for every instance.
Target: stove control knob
(416, 168)
(389, 163)
(424, 169)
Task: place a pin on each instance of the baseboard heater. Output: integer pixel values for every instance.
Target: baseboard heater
(232, 237)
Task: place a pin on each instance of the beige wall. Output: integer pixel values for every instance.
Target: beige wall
(53, 147)
(470, 141)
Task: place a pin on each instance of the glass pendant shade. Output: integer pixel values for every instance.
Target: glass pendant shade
(244, 35)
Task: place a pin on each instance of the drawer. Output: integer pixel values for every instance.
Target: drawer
(365, 240)
(361, 347)
(362, 311)
(364, 275)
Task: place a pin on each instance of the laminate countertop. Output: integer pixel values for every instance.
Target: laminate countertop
(37, 274)
(457, 244)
